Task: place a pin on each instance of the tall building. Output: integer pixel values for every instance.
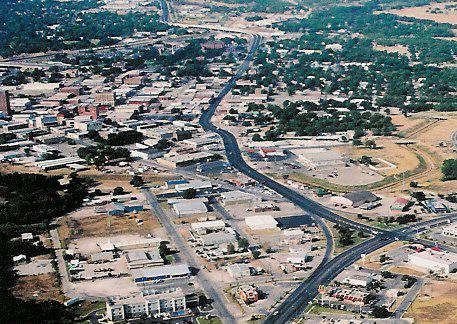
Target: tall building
(5, 106)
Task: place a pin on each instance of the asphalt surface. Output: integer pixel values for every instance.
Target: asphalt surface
(409, 298)
(165, 11)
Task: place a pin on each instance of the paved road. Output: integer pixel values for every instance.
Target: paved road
(165, 11)
(66, 285)
(454, 140)
(205, 282)
(409, 298)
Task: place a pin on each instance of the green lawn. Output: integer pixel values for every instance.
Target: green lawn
(213, 320)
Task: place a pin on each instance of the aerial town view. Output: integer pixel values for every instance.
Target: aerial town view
(228, 161)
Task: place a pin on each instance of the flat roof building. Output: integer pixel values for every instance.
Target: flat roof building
(209, 226)
(140, 259)
(148, 303)
(165, 272)
(189, 207)
(434, 261)
(236, 197)
(261, 222)
(238, 270)
(320, 157)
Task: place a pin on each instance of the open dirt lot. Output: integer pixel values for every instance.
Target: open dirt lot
(400, 49)
(436, 12)
(389, 151)
(39, 287)
(435, 304)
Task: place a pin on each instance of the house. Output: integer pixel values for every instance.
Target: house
(248, 294)
(27, 237)
(400, 204)
(19, 259)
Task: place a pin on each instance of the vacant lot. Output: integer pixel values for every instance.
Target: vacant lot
(39, 287)
(400, 156)
(400, 49)
(435, 304)
(102, 225)
(436, 12)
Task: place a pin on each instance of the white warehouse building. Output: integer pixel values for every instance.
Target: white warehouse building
(261, 222)
(435, 261)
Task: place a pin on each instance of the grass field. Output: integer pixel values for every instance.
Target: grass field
(213, 320)
(429, 12)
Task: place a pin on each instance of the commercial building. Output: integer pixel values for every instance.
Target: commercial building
(201, 228)
(194, 184)
(102, 257)
(354, 199)
(435, 261)
(185, 159)
(166, 272)
(217, 239)
(238, 270)
(358, 280)
(189, 207)
(148, 303)
(436, 206)
(261, 222)
(58, 163)
(141, 259)
(236, 197)
(320, 157)
(354, 296)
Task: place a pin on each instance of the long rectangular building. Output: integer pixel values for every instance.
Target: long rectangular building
(156, 274)
(149, 303)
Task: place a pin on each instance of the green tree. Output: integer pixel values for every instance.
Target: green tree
(190, 193)
(449, 169)
(230, 248)
(371, 144)
(137, 181)
(243, 243)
